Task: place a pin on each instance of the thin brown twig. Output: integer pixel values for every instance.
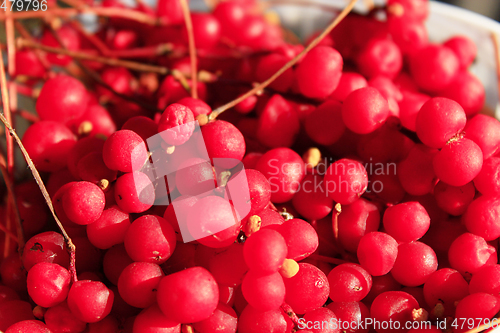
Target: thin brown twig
(38, 53)
(97, 78)
(142, 52)
(11, 58)
(31, 165)
(8, 232)
(11, 44)
(13, 204)
(496, 43)
(31, 117)
(21, 42)
(192, 48)
(100, 11)
(6, 244)
(288, 65)
(99, 44)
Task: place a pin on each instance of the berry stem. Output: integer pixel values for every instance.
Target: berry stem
(288, 65)
(12, 204)
(8, 232)
(31, 117)
(93, 39)
(31, 165)
(142, 52)
(496, 43)
(21, 42)
(26, 35)
(192, 48)
(287, 309)
(100, 11)
(11, 57)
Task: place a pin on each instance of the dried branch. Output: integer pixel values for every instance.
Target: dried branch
(192, 48)
(288, 65)
(21, 42)
(31, 165)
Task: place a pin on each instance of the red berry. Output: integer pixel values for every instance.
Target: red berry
(319, 72)
(364, 110)
(188, 296)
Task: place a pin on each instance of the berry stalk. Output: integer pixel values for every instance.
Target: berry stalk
(12, 132)
(192, 47)
(21, 42)
(288, 65)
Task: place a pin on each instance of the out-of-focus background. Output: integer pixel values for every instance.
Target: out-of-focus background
(490, 8)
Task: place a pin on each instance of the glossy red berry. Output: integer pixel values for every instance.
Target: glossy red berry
(364, 110)
(318, 74)
(90, 301)
(188, 296)
(62, 99)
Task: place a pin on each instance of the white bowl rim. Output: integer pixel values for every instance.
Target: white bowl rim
(465, 15)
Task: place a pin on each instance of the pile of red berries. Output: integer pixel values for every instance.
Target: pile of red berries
(359, 191)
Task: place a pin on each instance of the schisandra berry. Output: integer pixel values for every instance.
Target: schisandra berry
(300, 237)
(377, 253)
(364, 110)
(433, 67)
(90, 301)
(439, 120)
(213, 222)
(224, 143)
(124, 151)
(229, 267)
(414, 264)
(62, 99)
(407, 221)
(325, 125)
(468, 253)
(83, 203)
(481, 217)
(445, 287)
(150, 239)
(459, 162)
(356, 220)
(176, 124)
(48, 284)
(263, 291)
(279, 123)
(188, 296)
(346, 180)
(265, 251)
(152, 320)
(307, 290)
(397, 306)
(138, 282)
(349, 283)
(318, 74)
(48, 144)
(32, 326)
(284, 169)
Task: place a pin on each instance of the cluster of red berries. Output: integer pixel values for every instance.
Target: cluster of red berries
(362, 185)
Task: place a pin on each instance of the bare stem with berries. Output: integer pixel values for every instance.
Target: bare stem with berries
(31, 165)
(21, 42)
(192, 48)
(288, 65)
